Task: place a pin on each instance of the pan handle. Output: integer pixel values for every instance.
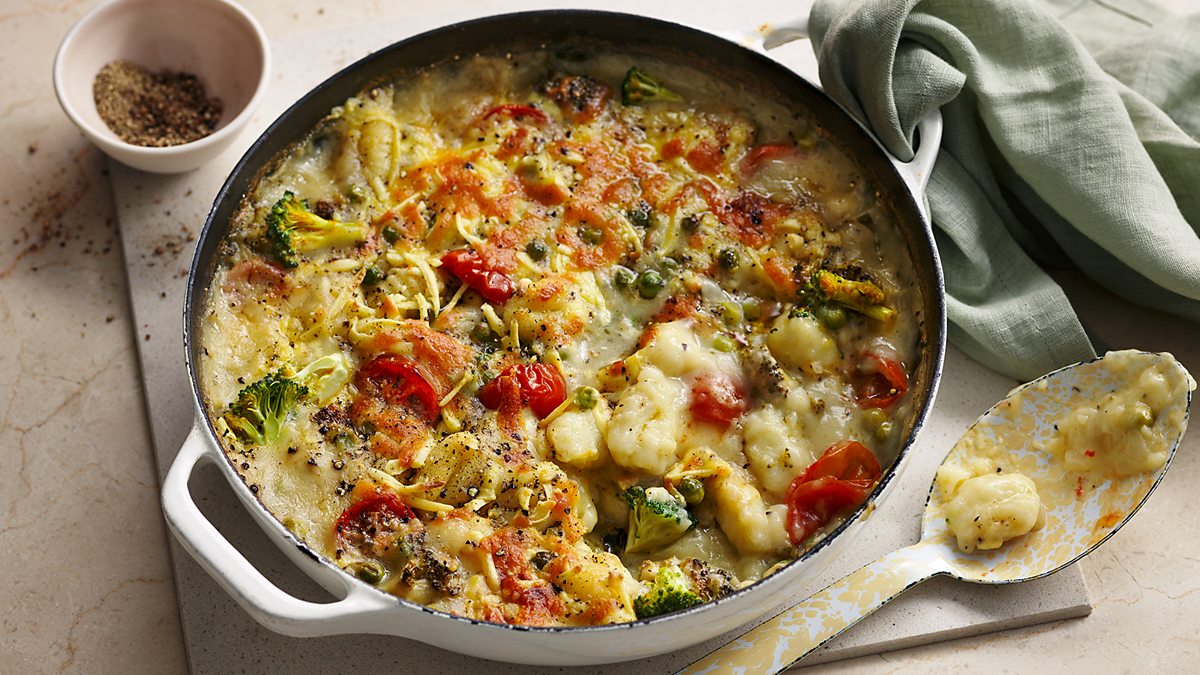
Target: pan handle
(916, 171)
(263, 600)
(779, 34)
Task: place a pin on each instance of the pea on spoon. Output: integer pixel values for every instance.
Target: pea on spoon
(1094, 438)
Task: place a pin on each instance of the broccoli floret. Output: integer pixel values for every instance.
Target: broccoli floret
(293, 229)
(826, 292)
(325, 377)
(263, 408)
(656, 519)
(708, 581)
(669, 593)
(639, 87)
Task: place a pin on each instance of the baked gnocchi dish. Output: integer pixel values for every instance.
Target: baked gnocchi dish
(560, 341)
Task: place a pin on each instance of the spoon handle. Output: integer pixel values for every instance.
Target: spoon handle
(776, 644)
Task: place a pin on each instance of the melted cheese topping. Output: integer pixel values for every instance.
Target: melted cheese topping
(648, 251)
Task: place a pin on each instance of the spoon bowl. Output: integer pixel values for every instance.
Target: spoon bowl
(1086, 495)
(1081, 510)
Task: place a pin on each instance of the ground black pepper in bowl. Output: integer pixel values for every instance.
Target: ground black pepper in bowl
(154, 110)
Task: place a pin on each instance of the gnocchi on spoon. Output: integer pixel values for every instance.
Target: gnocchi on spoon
(1036, 483)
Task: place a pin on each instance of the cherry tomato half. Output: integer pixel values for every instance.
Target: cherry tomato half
(764, 153)
(401, 382)
(834, 484)
(372, 519)
(516, 112)
(541, 385)
(718, 399)
(882, 381)
(472, 270)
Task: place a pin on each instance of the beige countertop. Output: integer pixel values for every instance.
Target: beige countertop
(88, 584)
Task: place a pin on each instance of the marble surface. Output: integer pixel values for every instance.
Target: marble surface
(88, 580)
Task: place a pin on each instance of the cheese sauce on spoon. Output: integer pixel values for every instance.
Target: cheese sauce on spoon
(1036, 483)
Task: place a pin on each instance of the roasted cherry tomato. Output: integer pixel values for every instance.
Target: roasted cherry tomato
(401, 382)
(834, 484)
(882, 381)
(371, 523)
(718, 399)
(541, 385)
(472, 270)
(516, 111)
(763, 153)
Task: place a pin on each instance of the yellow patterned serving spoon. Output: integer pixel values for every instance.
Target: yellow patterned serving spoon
(1080, 510)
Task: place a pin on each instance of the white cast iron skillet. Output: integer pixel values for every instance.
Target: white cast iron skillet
(364, 609)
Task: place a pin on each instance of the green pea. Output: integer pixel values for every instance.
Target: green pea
(728, 258)
(366, 430)
(623, 277)
(833, 316)
(586, 398)
(639, 215)
(731, 313)
(669, 264)
(650, 284)
(692, 490)
(883, 431)
(724, 343)
(591, 235)
(390, 235)
(369, 571)
(1141, 415)
(537, 249)
(484, 335)
(373, 276)
(873, 418)
(752, 311)
(356, 193)
(691, 223)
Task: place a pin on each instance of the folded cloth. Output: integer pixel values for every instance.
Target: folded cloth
(1060, 149)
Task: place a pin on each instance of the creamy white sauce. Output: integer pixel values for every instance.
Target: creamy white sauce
(1117, 435)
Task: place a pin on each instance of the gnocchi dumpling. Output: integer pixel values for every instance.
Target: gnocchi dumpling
(676, 350)
(797, 341)
(458, 467)
(988, 510)
(1118, 436)
(776, 452)
(751, 525)
(643, 433)
(576, 437)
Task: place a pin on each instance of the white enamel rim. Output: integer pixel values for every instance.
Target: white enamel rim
(170, 159)
(364, 609)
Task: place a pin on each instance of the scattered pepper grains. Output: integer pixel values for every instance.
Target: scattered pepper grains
(154, 110)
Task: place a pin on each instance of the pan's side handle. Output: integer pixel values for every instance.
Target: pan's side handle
(916, 172)
(780, 33)
(263, 600)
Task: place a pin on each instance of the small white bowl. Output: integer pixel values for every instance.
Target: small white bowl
(217, 40)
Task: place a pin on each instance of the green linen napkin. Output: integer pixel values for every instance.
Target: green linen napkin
(1070, 139)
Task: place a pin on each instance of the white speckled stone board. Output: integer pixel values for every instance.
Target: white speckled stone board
(159, 215)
